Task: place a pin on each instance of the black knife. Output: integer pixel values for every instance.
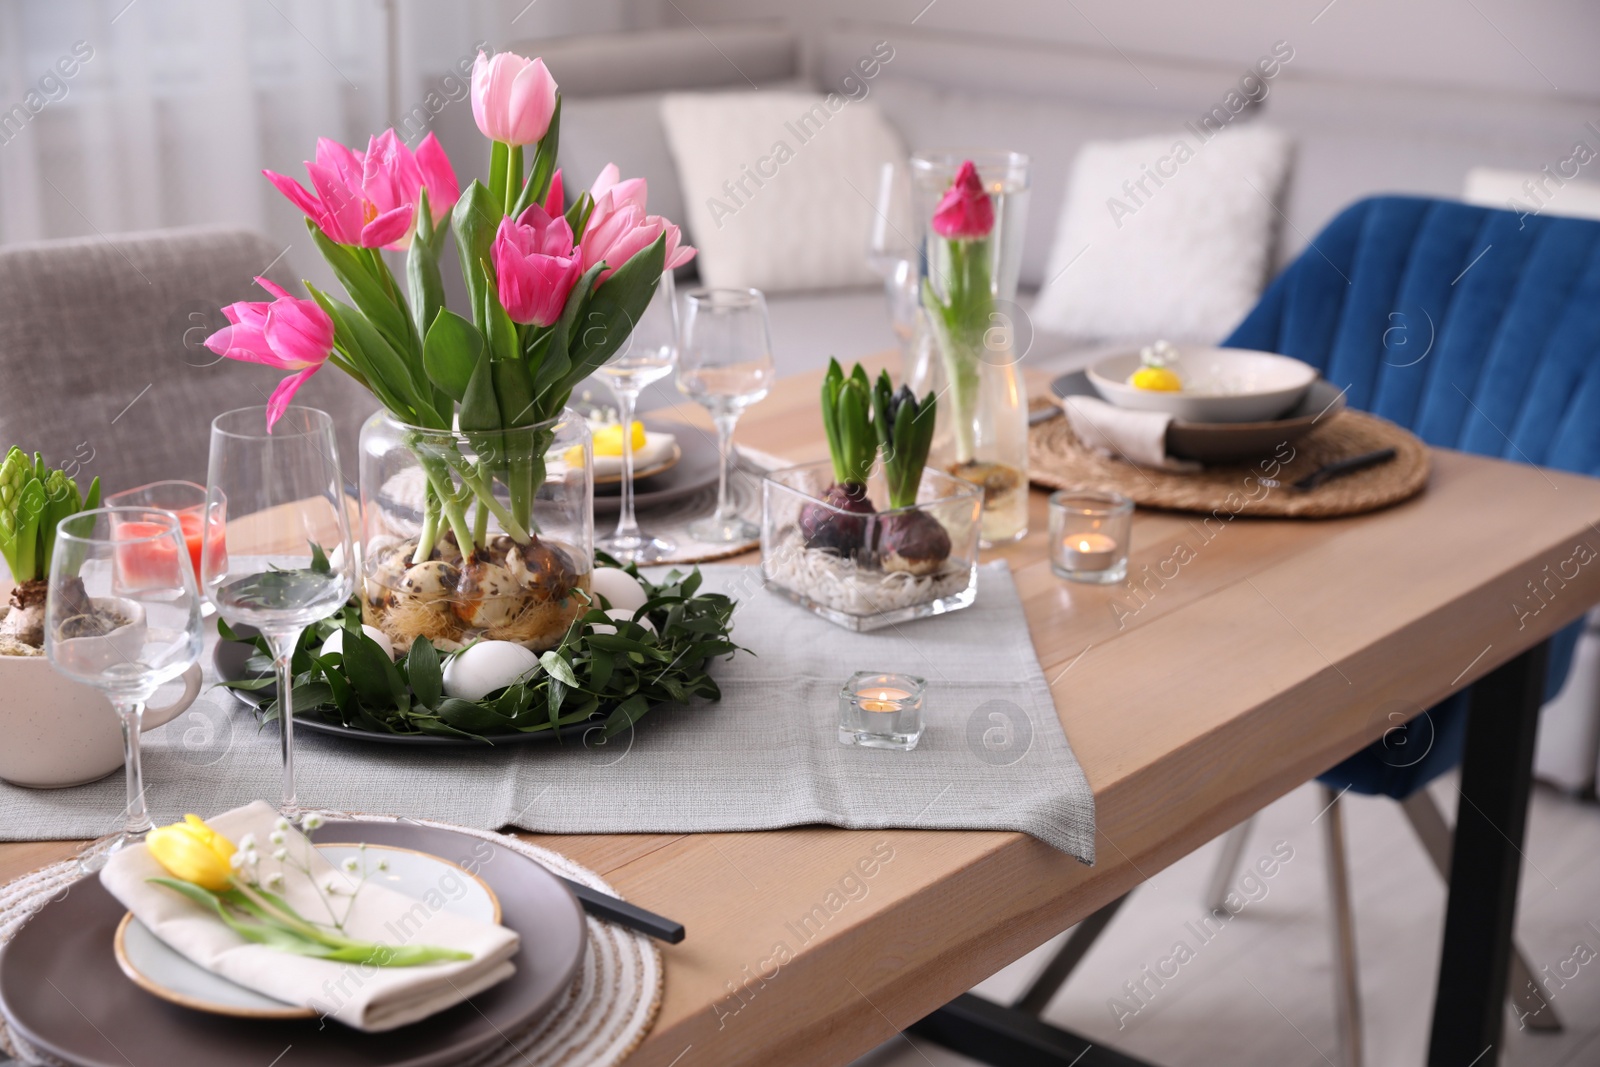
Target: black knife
(609, 908)
(1337, 469)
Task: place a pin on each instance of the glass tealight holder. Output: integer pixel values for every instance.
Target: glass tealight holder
(881, 710)
(1089, 535)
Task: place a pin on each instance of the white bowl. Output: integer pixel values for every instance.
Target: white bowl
(1220, 385)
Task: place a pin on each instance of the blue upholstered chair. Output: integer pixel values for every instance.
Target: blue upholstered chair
(1478, 330)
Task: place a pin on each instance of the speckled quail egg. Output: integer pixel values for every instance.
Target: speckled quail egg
(487, 596)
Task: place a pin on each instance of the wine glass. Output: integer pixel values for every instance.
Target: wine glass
(122, 615)
(893, 256)
(647, 356)
(725, 365)
(285, 560)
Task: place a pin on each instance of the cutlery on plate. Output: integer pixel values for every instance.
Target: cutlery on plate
(1043, 414)
(609, 908)
(1337, 469)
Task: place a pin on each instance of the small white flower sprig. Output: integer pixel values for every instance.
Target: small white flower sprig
(347, 882)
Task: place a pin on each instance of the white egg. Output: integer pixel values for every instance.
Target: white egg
(619, 587)
(621, 615)
(335, 641)
(485, 667)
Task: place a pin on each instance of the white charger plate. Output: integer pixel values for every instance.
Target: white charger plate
(165, 973)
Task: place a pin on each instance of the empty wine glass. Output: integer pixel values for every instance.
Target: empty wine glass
(725, 365)
(893, 256)
(647, 356)
(123, 615)
(285, 560)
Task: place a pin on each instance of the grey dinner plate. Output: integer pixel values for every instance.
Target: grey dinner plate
(1230, 442)
(60, 970)
(696, 470)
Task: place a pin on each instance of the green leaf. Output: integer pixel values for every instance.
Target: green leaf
(559, 668)
(422, 269)
(480, 411)
(422, 668)
(612, 311)
(625, 714)
(450, 353)
(475, 220)
(319, 560)
(369, 668)
(544, 164)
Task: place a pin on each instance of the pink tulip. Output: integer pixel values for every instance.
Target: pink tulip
(392, 177)
(965, 211)
(633, 191)
(513, 98)
(535, 265)
(555, 202)
(285, 333)
(618, 226)
(370, 199)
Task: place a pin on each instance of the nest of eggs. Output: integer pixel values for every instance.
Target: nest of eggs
(502, 592)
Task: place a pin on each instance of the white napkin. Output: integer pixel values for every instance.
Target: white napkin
(358, 995)
(1136, 436)
(657, 447)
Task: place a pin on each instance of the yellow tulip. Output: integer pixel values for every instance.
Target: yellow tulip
(193, 852)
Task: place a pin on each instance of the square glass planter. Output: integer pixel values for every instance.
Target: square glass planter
(864, 570)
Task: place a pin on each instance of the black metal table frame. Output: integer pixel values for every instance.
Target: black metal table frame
(1486, 862)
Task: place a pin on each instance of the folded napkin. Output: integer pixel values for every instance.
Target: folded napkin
(657, 447)
(1135, 436)
(362, 996)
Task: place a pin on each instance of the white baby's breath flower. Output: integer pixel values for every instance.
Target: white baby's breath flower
(280, 824)
(281, 854)
(247, 842)
(274, 880)
(332, 888)
(351, 865)
(276, 837)
(236, 860)
(383, 865)
(311, 821)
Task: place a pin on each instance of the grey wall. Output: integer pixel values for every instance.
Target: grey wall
(1536, 46)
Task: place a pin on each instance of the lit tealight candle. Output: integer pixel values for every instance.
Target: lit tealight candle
(1089, 551)
(881, 710)
(881, 699)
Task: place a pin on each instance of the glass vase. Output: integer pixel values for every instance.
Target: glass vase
(866, 570)
(982, 428)
(482, 535)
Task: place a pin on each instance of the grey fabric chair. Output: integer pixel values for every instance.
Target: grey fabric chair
(101, 360)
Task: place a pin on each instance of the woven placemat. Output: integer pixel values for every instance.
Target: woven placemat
(607, 1012)
(1057, 459)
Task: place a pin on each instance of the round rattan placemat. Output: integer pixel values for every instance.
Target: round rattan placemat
(606, 1013)
(1057, 459)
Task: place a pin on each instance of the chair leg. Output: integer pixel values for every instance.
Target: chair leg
(1348, 991)
(1533, 1011)
(1055, 974)
(1233, 843)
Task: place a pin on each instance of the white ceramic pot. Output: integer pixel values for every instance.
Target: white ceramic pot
(55, 732)
(1219, 384)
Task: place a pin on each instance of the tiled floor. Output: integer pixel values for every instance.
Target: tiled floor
(1260, 991)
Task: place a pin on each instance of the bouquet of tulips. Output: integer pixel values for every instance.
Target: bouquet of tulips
(553, 290)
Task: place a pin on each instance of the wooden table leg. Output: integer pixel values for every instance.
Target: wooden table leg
(1496, 775)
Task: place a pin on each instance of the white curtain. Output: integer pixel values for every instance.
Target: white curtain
(172, 108)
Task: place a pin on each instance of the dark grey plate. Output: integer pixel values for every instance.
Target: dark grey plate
(1230, 442)
(694, 472)
(231, 657)
(60, 970)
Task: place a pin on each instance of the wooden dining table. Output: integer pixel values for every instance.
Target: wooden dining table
(1193, 695)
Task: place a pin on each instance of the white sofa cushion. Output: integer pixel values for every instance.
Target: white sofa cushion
(778, 185)
(1165, 236)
